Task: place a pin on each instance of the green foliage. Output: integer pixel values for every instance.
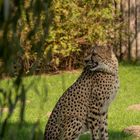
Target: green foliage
(93, 22)
(21, 41)
(22, 34)
(75, 24)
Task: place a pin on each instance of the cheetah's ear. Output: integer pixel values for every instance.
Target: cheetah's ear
(95, 48)
(110, 50)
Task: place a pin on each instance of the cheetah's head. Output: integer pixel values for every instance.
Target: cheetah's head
(101, 58)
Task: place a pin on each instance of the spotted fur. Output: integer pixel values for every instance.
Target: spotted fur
(84, 105)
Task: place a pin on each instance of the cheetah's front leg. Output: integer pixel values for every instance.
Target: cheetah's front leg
(72, 128)
(103, 127)
(94, 127)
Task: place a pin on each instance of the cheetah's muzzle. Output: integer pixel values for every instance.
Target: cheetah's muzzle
(92, 65)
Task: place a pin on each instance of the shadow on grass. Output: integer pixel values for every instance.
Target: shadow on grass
(112, 136)
(27, 131)
(30, 131)
(118, 135)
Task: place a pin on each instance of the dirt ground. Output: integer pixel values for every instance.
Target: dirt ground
(133, 130)
(135, 107)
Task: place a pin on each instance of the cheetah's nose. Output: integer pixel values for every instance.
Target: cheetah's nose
(87, 61)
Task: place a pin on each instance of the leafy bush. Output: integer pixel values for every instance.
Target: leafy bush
(80, 21)
(75, 25)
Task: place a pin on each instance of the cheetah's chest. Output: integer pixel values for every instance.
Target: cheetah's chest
(105, 89)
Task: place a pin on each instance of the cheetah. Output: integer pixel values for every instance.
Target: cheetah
(84, 105)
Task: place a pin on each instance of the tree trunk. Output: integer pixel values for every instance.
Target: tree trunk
(125, 16)
(133, 35)
(138, 29)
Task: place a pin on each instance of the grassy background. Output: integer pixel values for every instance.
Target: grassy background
(45, 90)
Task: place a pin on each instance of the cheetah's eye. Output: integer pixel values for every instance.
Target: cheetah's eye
(94, 53)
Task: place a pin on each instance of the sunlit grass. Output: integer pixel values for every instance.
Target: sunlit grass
(45, 90)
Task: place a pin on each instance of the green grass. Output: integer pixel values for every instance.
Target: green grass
(46, 90)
